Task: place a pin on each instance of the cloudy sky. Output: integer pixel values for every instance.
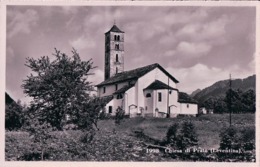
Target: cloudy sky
(197, 45)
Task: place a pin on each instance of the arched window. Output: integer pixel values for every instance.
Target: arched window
(116, 57)
(118, 38)
(188, 106)
(115, 37)
(148, 95)
(116, 70)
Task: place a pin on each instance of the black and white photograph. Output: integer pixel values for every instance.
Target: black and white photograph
(122, 83)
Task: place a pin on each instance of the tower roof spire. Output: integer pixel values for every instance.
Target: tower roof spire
(115, 29)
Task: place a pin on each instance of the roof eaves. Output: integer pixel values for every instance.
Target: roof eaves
(184, 101)
(114, 82)
(168, 74)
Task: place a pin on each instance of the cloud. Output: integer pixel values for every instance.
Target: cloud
(97, 77)
(193, 49)
(69, 10)
(169, 53)
(19, 22)
(185, 16)
(206, 30)
(82, 42)
(10, 53)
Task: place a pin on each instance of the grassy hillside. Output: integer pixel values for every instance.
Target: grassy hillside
(208, 127)
(119, 142)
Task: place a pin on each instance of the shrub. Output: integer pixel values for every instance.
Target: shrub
(243, 140)
(183, 138)
(120, 114)
(229, 139)
(232, 138)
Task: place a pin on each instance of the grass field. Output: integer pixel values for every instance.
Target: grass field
(119, 143)
(207, 127)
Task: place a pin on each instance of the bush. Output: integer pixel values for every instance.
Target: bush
(183, 138)
(238, 139)
(14, 117)
(120, 114)
(232, 138)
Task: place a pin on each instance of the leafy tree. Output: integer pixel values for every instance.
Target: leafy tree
(188, 136)
(229, 139)
(248, 101)
(233, 98)
(220, 106)
(234, 138)
(59, 87)
(14, 117)
(172, 135)
(182, 137)
(210, 103)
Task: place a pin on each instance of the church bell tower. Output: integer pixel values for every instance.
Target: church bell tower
(114, 52)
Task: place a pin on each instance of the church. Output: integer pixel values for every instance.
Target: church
(148, 91)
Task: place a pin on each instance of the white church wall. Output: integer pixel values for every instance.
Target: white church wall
(148, 78)
(173, 101)
(148, 103)
(161, 76)
(110, 89)
(142, 83)
(161, 105)
(189, 109)
(130, 102)
(117, 103)
(110, 104)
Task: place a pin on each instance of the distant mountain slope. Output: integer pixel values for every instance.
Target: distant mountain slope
(219, 88)
(195, 92)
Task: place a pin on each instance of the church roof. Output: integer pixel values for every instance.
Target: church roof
(104, 99)
(134, 75)
(159, 85)
(185, 98)
(123, 89)
(114, 29)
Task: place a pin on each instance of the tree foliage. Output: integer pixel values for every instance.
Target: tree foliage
(232, 138)
(182, 137)
(14, 116)
(59, 87)
(241, 102)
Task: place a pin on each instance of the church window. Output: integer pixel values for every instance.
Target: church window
(116, 86)
(104, 89)
(119, 96)
(116, 70)
(115, 37)
(117, 47)
(116, 57)
(148, 95)
(118, 38)
(159, 96)
(110, 109)
(188, 106)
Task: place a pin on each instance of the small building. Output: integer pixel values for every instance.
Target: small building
(203, 110)
(148, 91)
